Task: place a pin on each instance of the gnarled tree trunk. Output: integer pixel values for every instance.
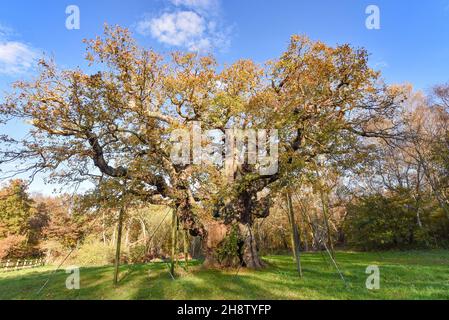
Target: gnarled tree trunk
(216, 235)
(246, 255)
(241, 213)
(250, 253)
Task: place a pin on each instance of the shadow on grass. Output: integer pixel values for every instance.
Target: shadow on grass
(403, 276)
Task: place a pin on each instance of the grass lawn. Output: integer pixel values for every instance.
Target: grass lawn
(404, 275)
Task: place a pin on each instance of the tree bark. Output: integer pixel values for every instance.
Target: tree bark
(216, 234)
(250, 253)
(241, 212)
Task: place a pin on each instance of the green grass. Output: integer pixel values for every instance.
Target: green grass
(404, 275)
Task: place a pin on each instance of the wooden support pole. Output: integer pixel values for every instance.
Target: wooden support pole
(296, 239)
(325, 206)
(173, 242)
(186, 248)
(118, 247)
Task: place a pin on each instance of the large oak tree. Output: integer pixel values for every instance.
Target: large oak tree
(113, 122)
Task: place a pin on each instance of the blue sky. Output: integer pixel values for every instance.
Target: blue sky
(412, 44)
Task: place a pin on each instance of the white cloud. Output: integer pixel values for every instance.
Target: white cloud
(176, 29)
(186, 29)
(195, 27)
(16, 57)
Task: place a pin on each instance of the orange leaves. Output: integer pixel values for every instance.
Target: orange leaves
(241, 77)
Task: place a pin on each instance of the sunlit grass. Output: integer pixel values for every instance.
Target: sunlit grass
(404, 275)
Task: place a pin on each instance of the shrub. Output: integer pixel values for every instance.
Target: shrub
(54, 250)
(137, 254)
(93, 253)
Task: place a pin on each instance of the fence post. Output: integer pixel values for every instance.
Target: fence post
(20, 264)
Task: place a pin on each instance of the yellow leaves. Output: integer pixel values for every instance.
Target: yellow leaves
(242, 76)
(117, 48)
(298, 41)
(90, 58)
(186, 60)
